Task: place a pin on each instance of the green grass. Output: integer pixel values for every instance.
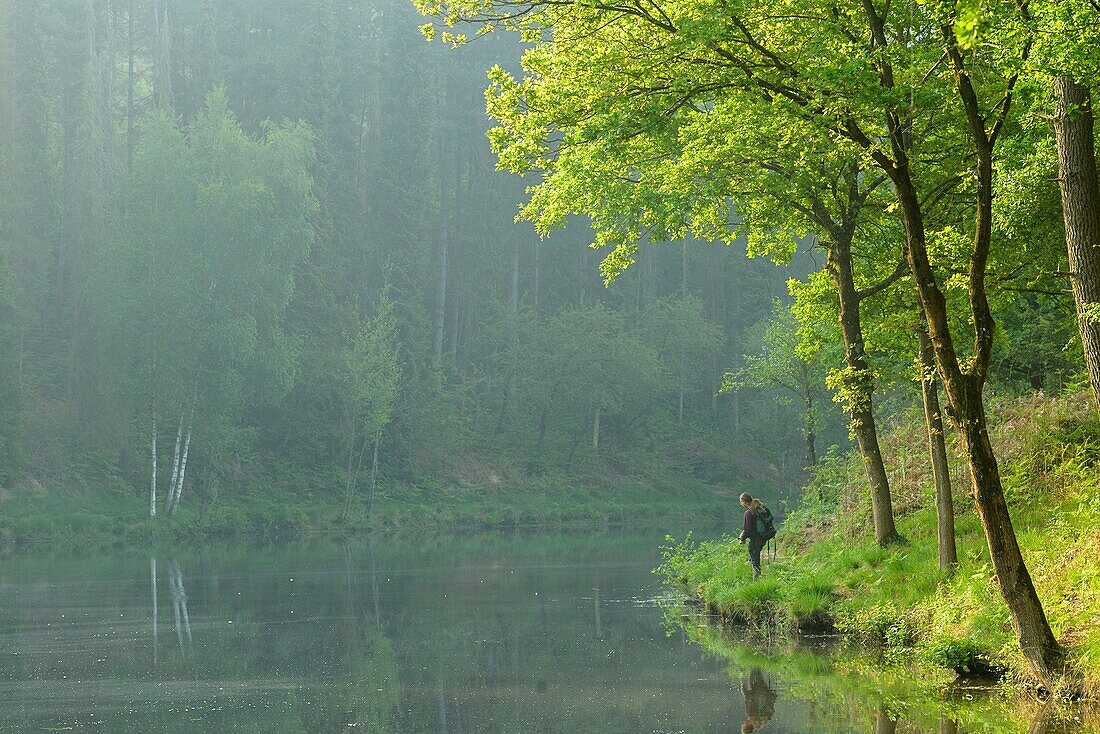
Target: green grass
(894, 598)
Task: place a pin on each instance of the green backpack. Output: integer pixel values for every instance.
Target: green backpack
(765, 523)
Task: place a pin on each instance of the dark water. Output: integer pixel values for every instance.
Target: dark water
(544, 633)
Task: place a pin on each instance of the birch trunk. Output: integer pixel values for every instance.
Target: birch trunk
(153, 481)
(183, 472)
(175, 467)
(153, 588)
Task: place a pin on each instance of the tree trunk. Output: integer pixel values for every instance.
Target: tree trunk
(541, 437)
(175, 467)
(153, 482)
(1028, 619)
(153, 589)
(441, 282)
(1077, 178)
(964, 392)
(183, 471)
(937, 446)
(860, 387)
(811, 435)
(884, 722)
(373, 474)
(596, 431)
(130, 88)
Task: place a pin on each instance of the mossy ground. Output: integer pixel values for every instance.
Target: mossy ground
(829, 571)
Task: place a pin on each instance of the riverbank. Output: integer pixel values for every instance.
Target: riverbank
(119, 515)
(831, 576)
(844, 682)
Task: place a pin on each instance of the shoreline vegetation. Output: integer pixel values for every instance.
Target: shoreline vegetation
(844, 682)
(31, 515)
(831, 576)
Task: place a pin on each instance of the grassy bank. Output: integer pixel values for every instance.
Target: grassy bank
(76, 515)
(841, 684)
(831, 575)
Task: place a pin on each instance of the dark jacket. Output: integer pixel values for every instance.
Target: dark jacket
(748, 528)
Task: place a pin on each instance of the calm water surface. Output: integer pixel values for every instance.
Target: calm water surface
(542, 633)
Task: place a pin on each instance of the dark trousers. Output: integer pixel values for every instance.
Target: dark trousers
(755, 546)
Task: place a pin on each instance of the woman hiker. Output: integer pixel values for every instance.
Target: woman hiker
(750, 532)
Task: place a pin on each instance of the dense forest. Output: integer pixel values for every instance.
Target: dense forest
(265, 244)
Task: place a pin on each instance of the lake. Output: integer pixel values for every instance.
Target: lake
(538, 632)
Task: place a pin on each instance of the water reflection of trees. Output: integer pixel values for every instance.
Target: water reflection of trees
(844, 690)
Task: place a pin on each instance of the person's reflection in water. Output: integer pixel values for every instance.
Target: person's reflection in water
(759, 701)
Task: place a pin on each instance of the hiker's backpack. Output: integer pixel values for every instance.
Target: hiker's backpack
(765, 523)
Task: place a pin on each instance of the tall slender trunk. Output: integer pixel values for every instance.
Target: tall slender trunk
(535, 289)
(153, 481)
(130, 88)
(596, 430)
(1077, 179)
(373, 474)
(183, 470)
(441, 282)
(860, 385)
(153, 589)
(811, 434)
(937, 446)
(175, 464)
(539, 441)
(353, 480)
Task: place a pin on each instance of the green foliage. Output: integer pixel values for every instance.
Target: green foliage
(892, 597)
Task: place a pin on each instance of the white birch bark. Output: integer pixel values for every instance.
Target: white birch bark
(183, 472)
(153, 483)
(153, 587)
(175, 605)
(175, 467)
(179, 594)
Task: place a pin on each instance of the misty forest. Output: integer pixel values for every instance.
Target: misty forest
(410, 335)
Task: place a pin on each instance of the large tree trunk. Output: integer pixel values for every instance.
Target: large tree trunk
(1035, 637)
(937, 446)
(1077, 178)
(860, 386)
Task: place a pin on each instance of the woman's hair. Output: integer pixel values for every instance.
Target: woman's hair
(754, 504)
